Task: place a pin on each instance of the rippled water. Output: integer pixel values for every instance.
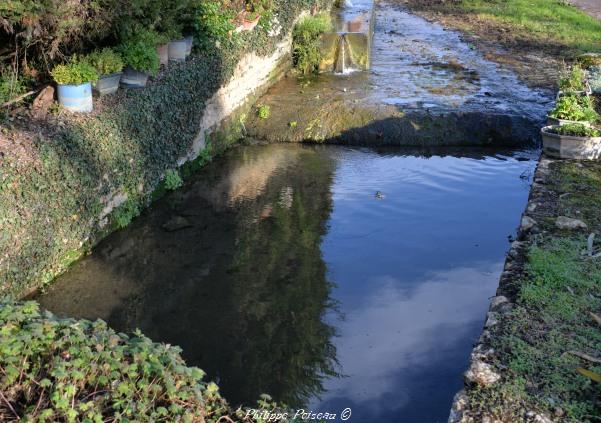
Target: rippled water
(328, 277)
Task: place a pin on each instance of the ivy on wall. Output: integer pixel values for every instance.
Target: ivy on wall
(51, 206)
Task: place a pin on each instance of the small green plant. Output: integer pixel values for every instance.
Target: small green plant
(172, 180)
(293, 124)
(263, 111)
(576, 130)
(575, 107)
(141, 56)
(106, 61)
(76, 72)
(125, 213)
(572, 79)
(10, 87)
(306, 42)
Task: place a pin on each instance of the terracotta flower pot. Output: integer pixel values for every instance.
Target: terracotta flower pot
(163, 52)
(245, 24)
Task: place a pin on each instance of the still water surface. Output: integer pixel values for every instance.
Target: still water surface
(328, 277)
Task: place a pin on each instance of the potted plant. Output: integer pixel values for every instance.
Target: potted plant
(108, 64)
(573, 109)
(74, 85)
(178, 48)
(246, 21)
(572, 141)
(141, 60)
(573, 82)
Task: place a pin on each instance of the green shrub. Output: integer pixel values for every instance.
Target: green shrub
(141, 56)
(572, 80)
(75, 370)
(214, 24)
(576, 130)
(76, 72)
(576, 108)
(146, 36)
(106, 61)
(10, 87)
(124, 214)
(172, 180)
(306, 42)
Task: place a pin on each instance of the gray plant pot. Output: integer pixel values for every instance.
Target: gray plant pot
(189, 40)
(569, 147)
(177, 50)
(133, 79)
(107, 84)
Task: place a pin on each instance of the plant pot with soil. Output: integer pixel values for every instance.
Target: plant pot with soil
(141, 60)
(246, 21)
(74, 86)
(177, 50)
(572, 109)
(163, 52)
(109, 65)
(573, 141)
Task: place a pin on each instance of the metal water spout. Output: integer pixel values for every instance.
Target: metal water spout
(343, 60)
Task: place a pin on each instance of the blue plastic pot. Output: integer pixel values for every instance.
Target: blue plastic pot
(76, 98)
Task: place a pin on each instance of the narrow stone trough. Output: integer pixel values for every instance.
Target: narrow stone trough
(424, 86)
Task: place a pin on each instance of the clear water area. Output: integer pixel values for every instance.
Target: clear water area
(326, 276)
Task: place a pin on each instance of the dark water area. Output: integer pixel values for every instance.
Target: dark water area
(325, 276)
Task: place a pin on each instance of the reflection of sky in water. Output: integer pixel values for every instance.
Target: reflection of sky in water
(414, 271)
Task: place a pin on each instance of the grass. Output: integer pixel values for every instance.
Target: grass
(306, 42)
(551, 319)
(544, 20)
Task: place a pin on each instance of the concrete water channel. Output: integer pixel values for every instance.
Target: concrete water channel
(335, 277)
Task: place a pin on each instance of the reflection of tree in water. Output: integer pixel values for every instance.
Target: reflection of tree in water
(283, 346)
(242, 288)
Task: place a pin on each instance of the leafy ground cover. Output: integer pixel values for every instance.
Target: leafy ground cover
(551, 338)
(67, 370)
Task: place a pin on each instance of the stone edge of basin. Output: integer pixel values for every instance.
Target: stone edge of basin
(480, 372)
(380, 126)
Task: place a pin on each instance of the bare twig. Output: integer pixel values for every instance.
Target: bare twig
(17, 99)
(595, 317)
(9, 405)
(585, 356)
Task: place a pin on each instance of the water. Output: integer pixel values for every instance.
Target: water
(327, 276)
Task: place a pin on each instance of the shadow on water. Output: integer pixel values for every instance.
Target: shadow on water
(280, 268)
